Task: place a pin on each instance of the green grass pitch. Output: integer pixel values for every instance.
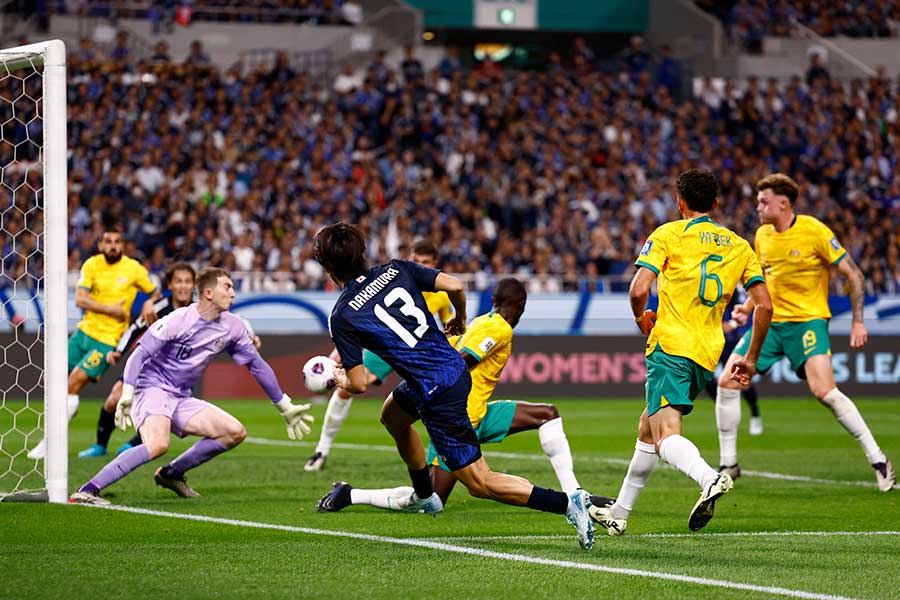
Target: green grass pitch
(81, 552)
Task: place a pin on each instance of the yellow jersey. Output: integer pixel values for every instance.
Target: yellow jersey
(699, 263)
(111, 284)
(439, 305)
(796, 263)
(489, 339)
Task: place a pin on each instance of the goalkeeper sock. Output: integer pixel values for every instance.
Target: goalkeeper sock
(105, 426)
(204, 450)
(728, 419)
(335, 414)
(391, 498)
(548, 500)
(421, 481)
(556, 447)
(682, 454)
(118, 468)
(639, 471)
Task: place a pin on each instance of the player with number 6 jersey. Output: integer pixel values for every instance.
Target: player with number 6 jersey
(382, 309)
(698, 263)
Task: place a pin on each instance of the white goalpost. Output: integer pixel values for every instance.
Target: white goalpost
(33, 271)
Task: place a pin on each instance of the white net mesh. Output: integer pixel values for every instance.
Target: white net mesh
(21, 270)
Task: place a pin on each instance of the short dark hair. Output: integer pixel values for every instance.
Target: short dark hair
(781, 185)
(209, 277)
(509, 290)
(112, 225)
(426, 247)
(341, 249)
(179, 266)
(698, 188)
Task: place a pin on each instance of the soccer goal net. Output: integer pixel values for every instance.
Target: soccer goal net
(33, 290)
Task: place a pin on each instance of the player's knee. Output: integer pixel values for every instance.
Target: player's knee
(111, 401)
(547, 412)
(156, 447)
(820, 391)
(235, 433)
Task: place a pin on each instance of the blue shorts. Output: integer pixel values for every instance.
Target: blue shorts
(446, 420)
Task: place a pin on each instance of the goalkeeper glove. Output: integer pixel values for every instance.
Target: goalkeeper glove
(123, 408)
(295, 417)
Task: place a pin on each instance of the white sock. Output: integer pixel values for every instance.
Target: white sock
(639, 470)
(334, 417)
(556, 447)
(682, 454)
(848, 415)
(72, 405)
(379, 498)
(728, 419)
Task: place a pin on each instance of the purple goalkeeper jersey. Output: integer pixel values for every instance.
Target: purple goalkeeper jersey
(182, 344)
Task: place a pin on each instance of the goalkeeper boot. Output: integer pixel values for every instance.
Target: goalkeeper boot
(336, 499)
(176, 484)
(94, 451)
(431, 505)
(703, 510)
(316, 462)
(578, 516)
(39, 451)
(602, 514)
(92, 498)
(885, 476)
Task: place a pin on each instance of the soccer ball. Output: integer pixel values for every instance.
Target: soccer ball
(318, 374)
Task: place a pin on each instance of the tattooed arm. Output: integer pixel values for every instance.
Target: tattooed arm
(855, 278)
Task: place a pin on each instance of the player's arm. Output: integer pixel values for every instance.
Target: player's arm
(148, 310)
(744, 368)
(352, 375)
(84, 301)
(150, 344)
(856, 280)
(638, 294)
(134, 332)
(457, 294)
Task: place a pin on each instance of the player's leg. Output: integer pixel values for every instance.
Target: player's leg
(335, 414)
(106, 423)
(342, 494)
(219, 432)
(134, 441)
(398, 413)
(751, 397)
(545, 418)
(155, 432)
(614, 517)
(820, 375)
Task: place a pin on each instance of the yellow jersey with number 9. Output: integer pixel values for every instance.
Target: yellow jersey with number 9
(439, 305)
(796, 263)
(699, 263)
(488, 338)
(111, 284)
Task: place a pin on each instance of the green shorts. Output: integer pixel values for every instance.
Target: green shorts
(673, 380)
(796, 341)
(376, 365)
(492, 429)
(88, 354)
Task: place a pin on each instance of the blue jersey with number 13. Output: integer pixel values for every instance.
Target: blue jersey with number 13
(384, 311)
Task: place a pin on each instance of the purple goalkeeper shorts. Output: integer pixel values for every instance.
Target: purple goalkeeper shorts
(157, 402)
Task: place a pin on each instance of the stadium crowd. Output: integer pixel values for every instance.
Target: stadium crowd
(559, 175)
(748, 21)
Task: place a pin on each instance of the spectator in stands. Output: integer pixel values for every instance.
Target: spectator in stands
(197, 57)
(816, 71)
(450, 64)
(413, 72)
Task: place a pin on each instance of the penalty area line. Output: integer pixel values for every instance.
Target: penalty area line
(723, 534)
(444, 547)
(542, 457)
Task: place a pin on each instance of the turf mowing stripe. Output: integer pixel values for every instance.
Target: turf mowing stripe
(541, 457)
(476, 538)
(483, 553)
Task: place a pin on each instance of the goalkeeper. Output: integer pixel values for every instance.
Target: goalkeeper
(159, 374)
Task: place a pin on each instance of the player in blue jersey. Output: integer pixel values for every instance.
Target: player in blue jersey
(382, 309)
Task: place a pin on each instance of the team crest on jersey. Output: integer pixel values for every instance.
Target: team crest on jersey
(795, 253)
(122, 280)
(835, 243)
(219, 344)
(647, 246)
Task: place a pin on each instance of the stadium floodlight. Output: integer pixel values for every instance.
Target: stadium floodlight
(33, 268)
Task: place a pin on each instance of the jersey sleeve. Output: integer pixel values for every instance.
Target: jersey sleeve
(345, 341)
(654, 252)
(242, 349)
(423, 276)
(752, 269)
(828, 246)
(486, 339)
(142, 279)
(86, 279)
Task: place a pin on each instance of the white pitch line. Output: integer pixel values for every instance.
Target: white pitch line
(567, 564)
(476, 538)
(541, 457)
